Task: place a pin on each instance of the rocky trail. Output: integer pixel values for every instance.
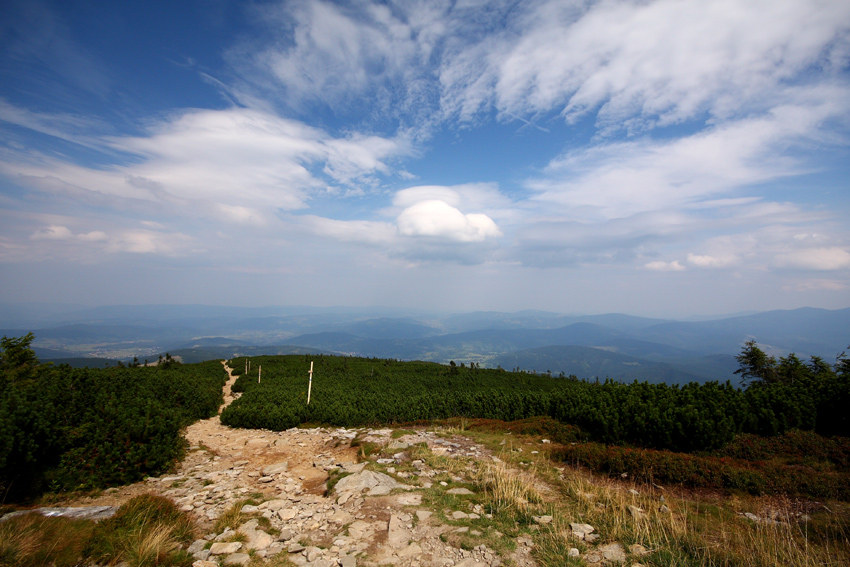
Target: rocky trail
(369, 518)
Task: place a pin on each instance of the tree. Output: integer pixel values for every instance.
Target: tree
(17, 352)
(17, 360)
(755, 365)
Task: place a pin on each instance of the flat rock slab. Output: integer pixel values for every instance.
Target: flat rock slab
(221, 548)
(460, 491)
(581, 531)
(613, 552)
(95, 513)
(376, 483)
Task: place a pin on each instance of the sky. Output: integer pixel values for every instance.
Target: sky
(654, 157)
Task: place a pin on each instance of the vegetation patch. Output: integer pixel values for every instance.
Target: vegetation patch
(146, 531)
(716, 472)
(64, 428)
(33, 540)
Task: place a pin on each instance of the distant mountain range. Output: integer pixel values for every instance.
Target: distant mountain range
(617, 346)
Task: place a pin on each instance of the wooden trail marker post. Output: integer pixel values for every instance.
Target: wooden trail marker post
(259, 374)
(310, 384)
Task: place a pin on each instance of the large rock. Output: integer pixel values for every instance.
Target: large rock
(376, 483)
(221, 548)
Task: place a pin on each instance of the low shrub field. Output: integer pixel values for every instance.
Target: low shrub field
(758, 477)
(350, 391)
(778, 437)
(64, 428)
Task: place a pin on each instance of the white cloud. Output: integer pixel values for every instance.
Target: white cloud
(817, 285)
(706, 261)
(53, 233)
(323, 51)
(207, 162)
(618, 179)
(439, 219)
(822, 259)
(660, 266)
(87, 246)
(150, 242)
(93, 236)
(642, 62)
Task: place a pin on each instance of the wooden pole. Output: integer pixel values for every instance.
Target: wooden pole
(310, 385)
(259, 374)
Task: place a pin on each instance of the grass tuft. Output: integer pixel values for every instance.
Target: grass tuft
(34, 540)
(144, 532)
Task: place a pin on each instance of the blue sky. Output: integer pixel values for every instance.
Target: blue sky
(663, 157)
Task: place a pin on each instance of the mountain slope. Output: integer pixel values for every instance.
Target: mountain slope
(588, 363)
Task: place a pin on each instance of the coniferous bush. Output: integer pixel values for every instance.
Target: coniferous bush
(67, 428)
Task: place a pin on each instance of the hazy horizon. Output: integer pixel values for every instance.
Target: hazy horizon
(665, 158)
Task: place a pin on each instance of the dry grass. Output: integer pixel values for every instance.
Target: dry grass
(696, 531)
(692, 533)
(34, 540)
(151, 546)
(145, 532)
(507, 489)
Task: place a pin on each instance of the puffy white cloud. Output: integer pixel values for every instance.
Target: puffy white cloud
(439, 219)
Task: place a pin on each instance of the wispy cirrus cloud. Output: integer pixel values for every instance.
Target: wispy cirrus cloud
(616, 179)
(637, 64)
